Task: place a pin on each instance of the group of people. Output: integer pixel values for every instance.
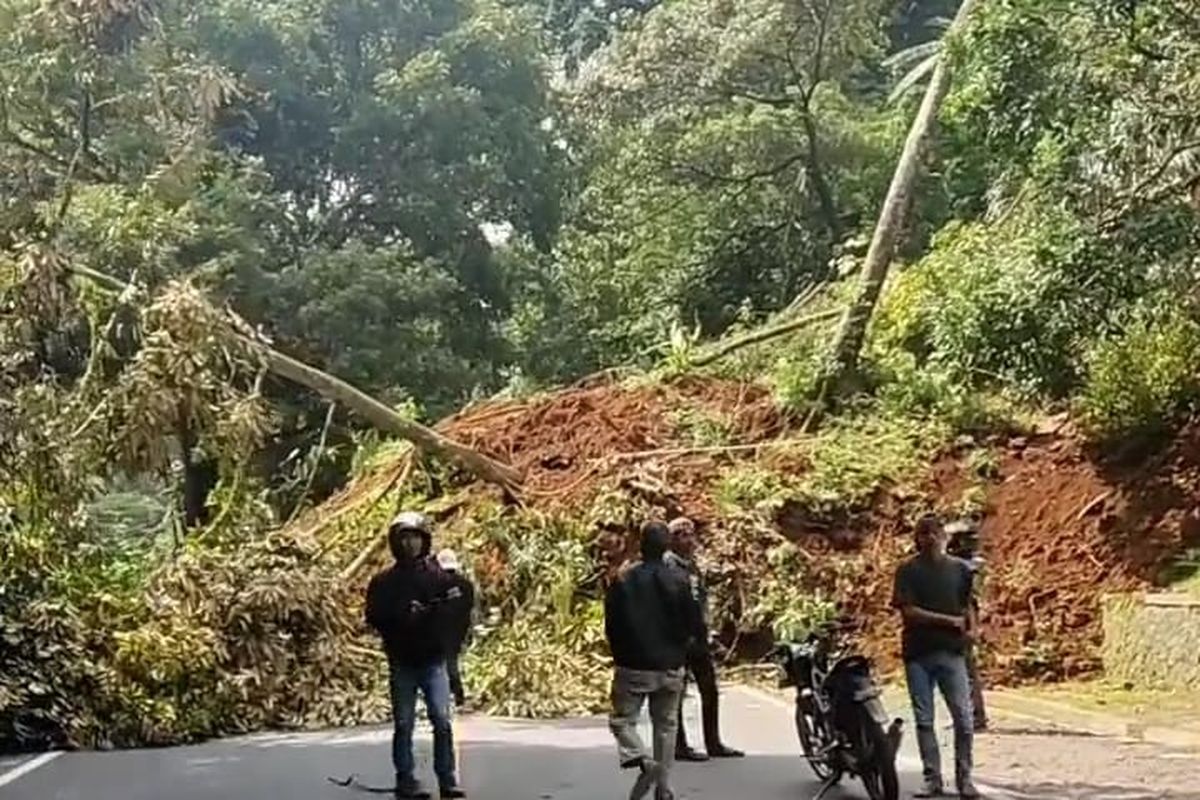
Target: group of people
(656, 624)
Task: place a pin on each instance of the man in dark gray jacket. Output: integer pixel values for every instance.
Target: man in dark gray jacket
(649, 617)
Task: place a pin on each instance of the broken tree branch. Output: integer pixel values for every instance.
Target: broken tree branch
(336, 390)
(762, 335)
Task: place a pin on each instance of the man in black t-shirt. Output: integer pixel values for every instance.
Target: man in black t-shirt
(933, 593)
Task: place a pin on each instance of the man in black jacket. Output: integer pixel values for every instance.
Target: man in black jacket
(460, 620)
(649, 618)
(408, 604)
(699, 660)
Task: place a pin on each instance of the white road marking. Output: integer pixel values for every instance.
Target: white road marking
(26, 767)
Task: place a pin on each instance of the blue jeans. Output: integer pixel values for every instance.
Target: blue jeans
(434, 685)
(948, 671)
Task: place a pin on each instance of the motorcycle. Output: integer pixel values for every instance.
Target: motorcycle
(840, 718)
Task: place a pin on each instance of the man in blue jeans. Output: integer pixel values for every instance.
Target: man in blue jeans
(933, 593)
(408, 605)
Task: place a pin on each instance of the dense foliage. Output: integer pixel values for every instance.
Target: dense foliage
(442, 199)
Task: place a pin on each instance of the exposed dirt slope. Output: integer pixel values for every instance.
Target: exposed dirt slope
(1061, 528)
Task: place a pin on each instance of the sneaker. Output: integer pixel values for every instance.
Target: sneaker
(967, 790)
(931, 789)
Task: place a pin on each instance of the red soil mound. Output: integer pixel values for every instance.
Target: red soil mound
(570, 443)
(1061, 529)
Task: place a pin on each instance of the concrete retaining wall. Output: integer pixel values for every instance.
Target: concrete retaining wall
(1152, 641)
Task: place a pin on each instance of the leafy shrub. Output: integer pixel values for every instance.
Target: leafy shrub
(539, 666)
(779, 600)
(933, 393)
(994, 304)
(795, 379)
(540, 650)
(751, 487)
(1139, 379)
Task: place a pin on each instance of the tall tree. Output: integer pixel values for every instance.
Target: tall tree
(852, 332)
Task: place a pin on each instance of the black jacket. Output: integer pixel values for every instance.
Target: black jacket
(412, 637)
(651, 618)
(695, 581)
(459, 613)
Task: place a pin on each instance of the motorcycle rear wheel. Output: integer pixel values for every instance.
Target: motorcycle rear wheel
(813, 744)
(878, 772)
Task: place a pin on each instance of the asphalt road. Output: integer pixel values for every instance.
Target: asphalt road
(499, 760)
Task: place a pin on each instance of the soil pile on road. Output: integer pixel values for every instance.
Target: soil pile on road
(1060, 528)
(571, 443)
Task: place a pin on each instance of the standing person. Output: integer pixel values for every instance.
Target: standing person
(964, 544)
(460, 613)
(933, 594)
(407, 604)
(699, 657)
(649, 616)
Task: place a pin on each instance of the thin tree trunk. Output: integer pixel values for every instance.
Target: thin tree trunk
(373, 411)
(852, 332)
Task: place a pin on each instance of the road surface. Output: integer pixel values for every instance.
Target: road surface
(500, 760)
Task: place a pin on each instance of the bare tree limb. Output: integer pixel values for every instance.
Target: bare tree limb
(749, 177)
(762, 335)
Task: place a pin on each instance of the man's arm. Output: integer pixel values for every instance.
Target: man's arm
(610, 614)
(378, 616)
(921, 616)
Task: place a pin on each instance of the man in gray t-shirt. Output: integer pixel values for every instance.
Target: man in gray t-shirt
(933, 593)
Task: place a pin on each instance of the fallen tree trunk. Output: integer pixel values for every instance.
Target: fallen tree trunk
(384, 418)
(336, 390)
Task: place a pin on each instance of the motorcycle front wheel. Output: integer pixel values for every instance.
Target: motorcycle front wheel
(813, 743)
(878, 771)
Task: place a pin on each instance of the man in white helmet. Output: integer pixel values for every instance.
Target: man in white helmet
(409, 604)
(682, 556)
(459, 620)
